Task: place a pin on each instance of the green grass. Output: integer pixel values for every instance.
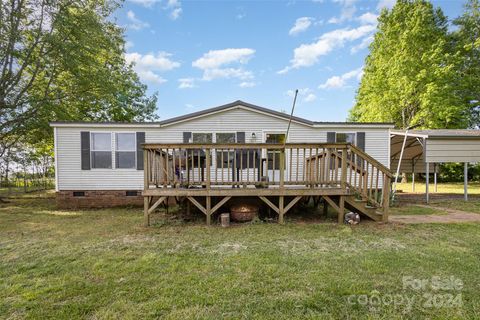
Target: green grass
(472, 205)
(451, 187)
(103, 264)
(415, 210)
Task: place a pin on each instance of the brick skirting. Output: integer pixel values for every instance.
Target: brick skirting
(97, 199)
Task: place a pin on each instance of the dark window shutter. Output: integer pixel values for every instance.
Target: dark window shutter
(85, 149)
(361, 140)
(140, 140)
(186, 137)
(240, 137)
(331, 137)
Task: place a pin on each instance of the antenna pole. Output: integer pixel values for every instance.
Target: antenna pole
(290, 120)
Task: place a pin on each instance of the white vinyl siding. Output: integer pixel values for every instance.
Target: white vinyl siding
(71, 177)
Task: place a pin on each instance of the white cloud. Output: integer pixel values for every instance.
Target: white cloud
(176, 9)
(160, 62)
(216, 58)
(306, 94)
(186, 83)
(247, 84)
(129, 45)
(135, 23)
(386, 4)
(240, 16)
(175, 14)
(227, 73)
(214, 64)
(310, 98)
(308, 54)
(348, 10)
(145, 3)
(147, 65)
(150, 76)
(368, 18)
(362, 45)
(337, 82)
(301, 24)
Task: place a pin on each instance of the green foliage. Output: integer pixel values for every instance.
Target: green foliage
(410, 74)
(453, 172)
(467, 45)
(64, 60)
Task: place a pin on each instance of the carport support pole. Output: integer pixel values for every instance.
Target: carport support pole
(427, 171)
(427, 174)
(465, 181)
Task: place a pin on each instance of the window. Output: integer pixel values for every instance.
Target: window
(202, 138)
(101, 150)
(125, 150)
(345, 137)
(225, 156)
(131, 193)
(273, 156)
(79, 193)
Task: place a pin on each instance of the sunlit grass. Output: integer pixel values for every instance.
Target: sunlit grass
(102, 264)
(451, 187)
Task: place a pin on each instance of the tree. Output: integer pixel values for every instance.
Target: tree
(64, 60)
(467, 45)
(409, 75)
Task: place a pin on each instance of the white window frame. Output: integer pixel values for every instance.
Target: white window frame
(92, 150)
(114, 159)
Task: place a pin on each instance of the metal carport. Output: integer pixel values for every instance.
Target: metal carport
(420, 151)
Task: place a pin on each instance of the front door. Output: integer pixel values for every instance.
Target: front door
(273, 157)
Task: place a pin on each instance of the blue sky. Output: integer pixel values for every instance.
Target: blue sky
(201, 54)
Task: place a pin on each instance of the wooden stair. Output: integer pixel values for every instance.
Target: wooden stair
(362, 207)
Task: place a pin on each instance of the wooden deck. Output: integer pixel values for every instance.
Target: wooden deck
(343, 175)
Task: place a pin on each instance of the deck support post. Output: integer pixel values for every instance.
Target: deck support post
(208, 210)
(341, 210)
(325, 208)
(281, 210)
(435, 177)
(146, 215)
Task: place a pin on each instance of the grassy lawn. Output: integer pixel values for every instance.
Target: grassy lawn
(451, 187)
(415, 210)
(472, 205)
(103, 264)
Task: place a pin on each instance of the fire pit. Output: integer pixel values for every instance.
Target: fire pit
(243, 212)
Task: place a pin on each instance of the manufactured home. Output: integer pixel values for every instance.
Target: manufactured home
(235, 150)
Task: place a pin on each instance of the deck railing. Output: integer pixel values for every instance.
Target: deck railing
(293, 165)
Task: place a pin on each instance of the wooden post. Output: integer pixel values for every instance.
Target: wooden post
(280, 210)
(146, 200)
(145, 169)
(341, 211)
(282, 167)
(435, 177)
(146, 215)
(208, 212)
(207, 155)
(465, 181)
(325, 208)
(386, 198)
(343, 179)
